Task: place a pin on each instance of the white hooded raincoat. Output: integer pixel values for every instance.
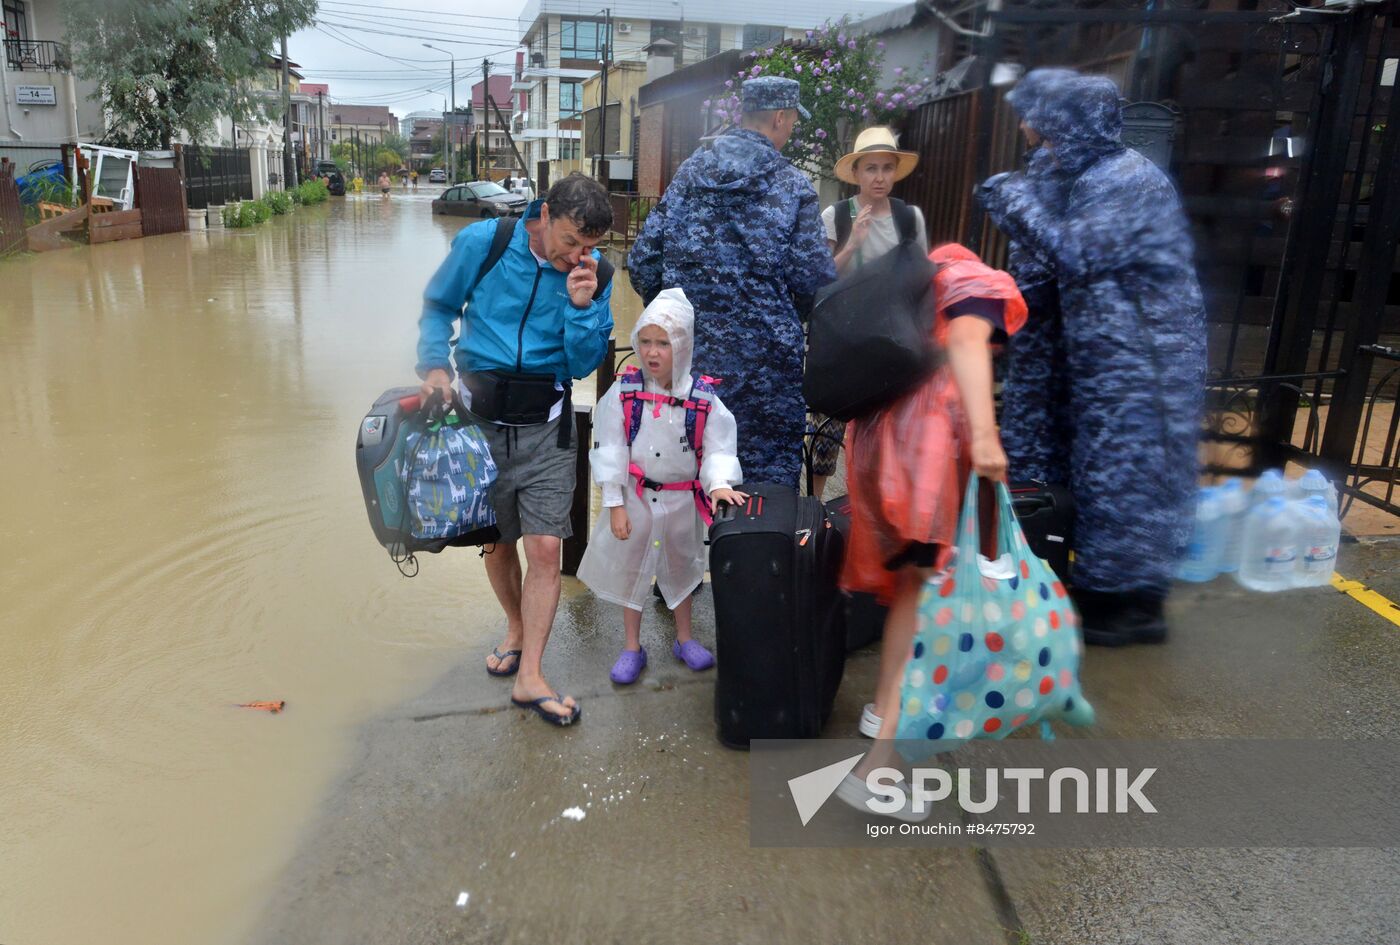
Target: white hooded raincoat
(668, 537)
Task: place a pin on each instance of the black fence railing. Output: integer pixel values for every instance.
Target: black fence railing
(215, 176)
(22, 55)
(1376, 462)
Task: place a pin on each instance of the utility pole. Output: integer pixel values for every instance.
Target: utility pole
(449, 140)
(322, 153)
(604, 175)
(289, 163)
(486, 124)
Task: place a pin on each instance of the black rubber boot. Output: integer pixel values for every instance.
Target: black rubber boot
(1120, 618)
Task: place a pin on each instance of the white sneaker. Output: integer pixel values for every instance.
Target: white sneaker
(870, 722)
(852, 790)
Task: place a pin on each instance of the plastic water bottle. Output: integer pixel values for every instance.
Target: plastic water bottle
(1270, 546)
(1234, 505)
(1314, 483)
(1269, 485)
(1201, 562)
(1319, 536)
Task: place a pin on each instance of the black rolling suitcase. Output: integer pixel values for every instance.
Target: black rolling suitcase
(1046, 514)
(779, 620)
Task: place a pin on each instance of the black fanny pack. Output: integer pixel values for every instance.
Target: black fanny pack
(518, 399)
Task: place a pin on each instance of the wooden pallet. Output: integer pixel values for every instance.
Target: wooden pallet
(107, 226)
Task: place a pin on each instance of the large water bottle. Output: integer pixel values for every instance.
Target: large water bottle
(1201, 561)
(1319, 536)
(1314, 483)
(1270, 546)
(1234, 505)
(1269, 485)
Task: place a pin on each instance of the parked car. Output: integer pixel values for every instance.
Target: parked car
(437, 175)
(335, 181)
(481, 199)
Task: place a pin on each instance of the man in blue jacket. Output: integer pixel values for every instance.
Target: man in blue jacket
(537, 317)
(740, 230)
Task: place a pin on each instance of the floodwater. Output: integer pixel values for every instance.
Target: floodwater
(184, 532)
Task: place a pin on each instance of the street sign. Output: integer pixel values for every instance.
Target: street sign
(35, 95)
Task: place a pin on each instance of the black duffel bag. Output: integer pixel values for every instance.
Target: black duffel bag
(871, 334)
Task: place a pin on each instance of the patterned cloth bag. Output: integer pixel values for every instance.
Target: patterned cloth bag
(998, 642)
(448, 472)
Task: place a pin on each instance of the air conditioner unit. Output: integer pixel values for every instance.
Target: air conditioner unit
(692, 31)
(623, 29)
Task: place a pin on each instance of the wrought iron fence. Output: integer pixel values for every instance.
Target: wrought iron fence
(23, 55)
(1376, 462)
(629, 213)
(214, 176)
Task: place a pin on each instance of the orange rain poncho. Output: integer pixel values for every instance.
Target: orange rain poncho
(907, 464)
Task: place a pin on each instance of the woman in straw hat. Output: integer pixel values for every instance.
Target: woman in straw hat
(875, 164)
(859, 230)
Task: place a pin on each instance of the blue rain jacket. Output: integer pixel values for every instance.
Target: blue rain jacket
(520, 317)
(740, 230)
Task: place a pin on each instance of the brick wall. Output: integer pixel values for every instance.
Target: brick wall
(649, 150)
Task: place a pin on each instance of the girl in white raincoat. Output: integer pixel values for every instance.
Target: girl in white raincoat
(658, 487)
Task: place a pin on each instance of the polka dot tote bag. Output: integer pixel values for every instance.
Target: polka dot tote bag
(998, 643)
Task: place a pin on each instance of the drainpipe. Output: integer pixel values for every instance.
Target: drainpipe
(5, 91)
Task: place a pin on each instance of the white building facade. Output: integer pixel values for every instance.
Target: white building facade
(567, 40)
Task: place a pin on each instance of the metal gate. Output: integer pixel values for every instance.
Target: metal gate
(161, 196)
(12, 234)
(215, 176)
(1285, 153)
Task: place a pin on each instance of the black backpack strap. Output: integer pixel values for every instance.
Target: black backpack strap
(605, 274)
(905, 222)
(500, 242)
(843, 224)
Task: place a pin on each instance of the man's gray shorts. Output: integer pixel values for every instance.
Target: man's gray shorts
(534, 488)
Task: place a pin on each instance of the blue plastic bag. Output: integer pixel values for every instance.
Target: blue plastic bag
(448, 474)
(998, 642)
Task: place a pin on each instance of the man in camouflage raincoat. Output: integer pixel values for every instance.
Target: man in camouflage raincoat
(740, 230)
(1108, 225)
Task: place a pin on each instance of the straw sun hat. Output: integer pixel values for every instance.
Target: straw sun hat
(873, 141)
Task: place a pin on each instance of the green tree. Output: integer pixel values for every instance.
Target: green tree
(398, 144)
(840, 75)
(166, 67)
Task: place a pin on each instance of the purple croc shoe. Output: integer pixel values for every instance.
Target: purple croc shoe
(629, 666)
(693, 655)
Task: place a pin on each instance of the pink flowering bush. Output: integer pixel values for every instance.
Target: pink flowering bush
(840, 76)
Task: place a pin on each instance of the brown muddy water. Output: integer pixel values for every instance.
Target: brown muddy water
(183, 531)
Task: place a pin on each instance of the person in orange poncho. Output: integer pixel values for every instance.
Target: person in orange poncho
(907, 464)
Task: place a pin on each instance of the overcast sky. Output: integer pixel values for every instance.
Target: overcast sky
(350, 49)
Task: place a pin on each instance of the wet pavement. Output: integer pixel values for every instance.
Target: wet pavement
(453, 793)
(184, 532)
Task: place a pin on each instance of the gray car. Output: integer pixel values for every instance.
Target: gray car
(481, 199)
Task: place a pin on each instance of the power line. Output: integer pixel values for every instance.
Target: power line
(380, 20)
(392, 9)
(482, 42)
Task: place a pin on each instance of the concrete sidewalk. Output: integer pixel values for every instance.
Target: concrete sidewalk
(458, 793)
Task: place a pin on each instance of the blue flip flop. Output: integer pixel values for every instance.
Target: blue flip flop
(502, 657)
(535, 706)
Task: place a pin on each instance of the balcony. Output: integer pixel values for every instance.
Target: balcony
(43, 55)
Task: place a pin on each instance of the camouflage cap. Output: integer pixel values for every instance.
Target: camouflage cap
(770, 93)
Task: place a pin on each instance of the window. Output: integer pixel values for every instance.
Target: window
(582, 39)
(756, 36)
(569, 149)
(16, 23)
(570, 99)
